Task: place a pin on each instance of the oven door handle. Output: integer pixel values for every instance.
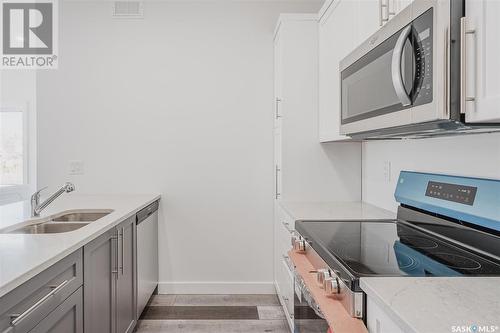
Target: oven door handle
(397, 77)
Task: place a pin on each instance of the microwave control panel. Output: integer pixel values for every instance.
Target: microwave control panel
(422, 44)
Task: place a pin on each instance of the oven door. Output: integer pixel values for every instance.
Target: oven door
(307, 315)
(387, 76)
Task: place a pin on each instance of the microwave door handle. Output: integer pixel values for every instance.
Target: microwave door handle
(397, 77)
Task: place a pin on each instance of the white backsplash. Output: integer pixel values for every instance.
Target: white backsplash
(469, 155)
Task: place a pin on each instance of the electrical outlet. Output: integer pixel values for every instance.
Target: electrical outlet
(76, 168)
(387, 171)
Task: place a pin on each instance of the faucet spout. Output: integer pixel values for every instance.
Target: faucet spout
(37, 207)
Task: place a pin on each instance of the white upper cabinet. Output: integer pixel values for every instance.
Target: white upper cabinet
(373, 14)
(389, 8)
(337, 37)
(369, 18)
(278, 77)
(482, 54)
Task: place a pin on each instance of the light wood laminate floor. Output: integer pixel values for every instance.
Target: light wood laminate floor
(213, 314)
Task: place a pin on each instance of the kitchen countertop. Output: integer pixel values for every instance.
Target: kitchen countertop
(23, 256)
(437, 304)
(330, 211)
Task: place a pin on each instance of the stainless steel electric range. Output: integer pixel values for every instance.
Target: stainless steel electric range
(445, 226)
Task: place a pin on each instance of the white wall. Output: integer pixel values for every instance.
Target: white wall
(470, 155)
(180, 103)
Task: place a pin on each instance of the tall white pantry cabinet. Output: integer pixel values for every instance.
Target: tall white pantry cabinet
(305, 169)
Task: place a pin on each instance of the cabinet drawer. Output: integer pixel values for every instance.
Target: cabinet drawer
(283, 235)
(28, 304)
(66, 318)
(286, 220)
(283, 231)
(288, 287)
(286, 290)
(284, 248)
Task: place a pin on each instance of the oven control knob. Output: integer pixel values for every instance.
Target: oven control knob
(331, 286)
(321, 275)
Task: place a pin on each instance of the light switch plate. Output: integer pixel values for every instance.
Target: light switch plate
(76, 168)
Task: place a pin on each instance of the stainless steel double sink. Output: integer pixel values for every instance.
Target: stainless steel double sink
(62, 222)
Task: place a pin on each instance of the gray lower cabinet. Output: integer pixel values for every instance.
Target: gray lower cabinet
(92, 290)
(126, 281)
(109, 281)
(25, 307)
(100, 267)
(66, 318)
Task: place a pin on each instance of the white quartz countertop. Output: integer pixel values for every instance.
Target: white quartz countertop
(331, 211)
(22, 256)
(438, 304)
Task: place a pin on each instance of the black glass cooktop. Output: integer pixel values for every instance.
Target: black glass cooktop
(394, 249)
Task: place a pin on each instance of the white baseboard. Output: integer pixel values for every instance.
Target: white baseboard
(222, 288)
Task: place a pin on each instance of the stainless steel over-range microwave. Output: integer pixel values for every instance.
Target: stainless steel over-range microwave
(407, 78)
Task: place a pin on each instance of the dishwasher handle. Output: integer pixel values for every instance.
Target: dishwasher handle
(146, 212)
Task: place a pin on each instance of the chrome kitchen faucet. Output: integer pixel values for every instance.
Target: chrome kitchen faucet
(37, 207)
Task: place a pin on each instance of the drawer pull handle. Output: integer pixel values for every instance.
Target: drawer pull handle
(122, 251)
(17, 318)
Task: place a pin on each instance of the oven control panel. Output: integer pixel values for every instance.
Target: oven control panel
(452, 192)
(468, 199)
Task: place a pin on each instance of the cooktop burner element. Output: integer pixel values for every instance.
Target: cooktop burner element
(457, 261)
(406, 262)
(418, 242)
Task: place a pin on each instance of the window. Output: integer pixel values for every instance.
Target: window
(12, 132)
(15, 154)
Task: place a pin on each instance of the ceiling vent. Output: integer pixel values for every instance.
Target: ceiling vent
(128, 9)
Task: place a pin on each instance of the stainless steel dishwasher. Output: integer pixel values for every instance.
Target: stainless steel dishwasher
(147, 254)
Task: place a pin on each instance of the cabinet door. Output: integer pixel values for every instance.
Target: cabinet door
(378, 321)
(277, 163)
(282, 239)
(100, 267)
(286, 287)
(276, 261)
(369, 19)
(66, 318)
(399, 5)
(390, 8)
(126, 282)
(278, 77)
(337, 37)
(482, 53)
